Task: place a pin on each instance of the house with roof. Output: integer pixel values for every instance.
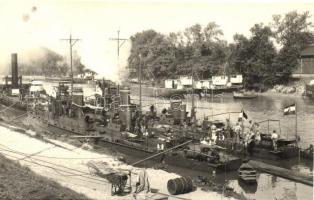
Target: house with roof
(306, 63)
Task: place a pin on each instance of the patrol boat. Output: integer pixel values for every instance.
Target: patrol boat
(119, 124)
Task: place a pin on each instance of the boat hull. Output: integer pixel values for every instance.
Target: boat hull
(138, 151)
(172, 158)
(239, 95)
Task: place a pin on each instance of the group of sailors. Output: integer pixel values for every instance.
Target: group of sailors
(237, 135)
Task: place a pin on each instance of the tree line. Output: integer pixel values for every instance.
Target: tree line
(267, 57)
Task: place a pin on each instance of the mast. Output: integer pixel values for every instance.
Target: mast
(71, 44)
(193, 106)
(140, 82)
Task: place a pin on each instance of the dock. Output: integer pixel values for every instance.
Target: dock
(305, 178)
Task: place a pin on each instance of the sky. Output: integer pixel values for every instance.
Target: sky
(27, 25)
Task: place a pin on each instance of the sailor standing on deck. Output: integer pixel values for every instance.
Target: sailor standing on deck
(274, 137)
(214, 136)
(238, 131)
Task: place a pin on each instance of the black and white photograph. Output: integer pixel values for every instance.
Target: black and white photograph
(156, 99)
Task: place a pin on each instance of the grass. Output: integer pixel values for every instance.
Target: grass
(18, 182)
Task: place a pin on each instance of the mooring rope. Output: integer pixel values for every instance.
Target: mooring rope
(8, 107)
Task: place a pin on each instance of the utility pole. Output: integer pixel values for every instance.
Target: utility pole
(72, 42)
(118, 39)
(119, 45)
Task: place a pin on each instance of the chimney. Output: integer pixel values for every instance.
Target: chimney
(14, 70)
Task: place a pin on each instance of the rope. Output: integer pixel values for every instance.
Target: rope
(32, 162)
(57, 165)
(19, 116)
(33, 154)
(8, 107)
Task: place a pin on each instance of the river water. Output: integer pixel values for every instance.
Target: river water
(265, 106)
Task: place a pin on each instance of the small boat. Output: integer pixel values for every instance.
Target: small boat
(247, 173)
(307, 153)
(309, 89)
(244, 95)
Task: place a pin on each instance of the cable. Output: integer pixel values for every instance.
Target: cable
(8, 107)
(19, 116)
(19, 153)
(33, 154)
(61, 158)
(55, 169)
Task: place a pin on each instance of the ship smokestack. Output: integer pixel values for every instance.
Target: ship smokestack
(14, 70)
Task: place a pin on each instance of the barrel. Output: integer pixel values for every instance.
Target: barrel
(180, 185)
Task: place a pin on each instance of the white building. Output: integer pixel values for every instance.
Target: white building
(203, 84)
(186, 80)
(171, 83)
(220, 80)
(236, 79)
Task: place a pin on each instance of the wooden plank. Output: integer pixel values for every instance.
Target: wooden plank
(300, 177)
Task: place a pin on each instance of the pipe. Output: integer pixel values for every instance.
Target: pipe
(14, 70)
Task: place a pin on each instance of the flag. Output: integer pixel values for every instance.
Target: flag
(243, 115)
(290, 109)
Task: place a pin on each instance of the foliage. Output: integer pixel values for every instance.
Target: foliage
(293, 32)
(201, 48)
(253, 57)
(175, 54)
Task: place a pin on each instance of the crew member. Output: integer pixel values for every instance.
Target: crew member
(274, 137)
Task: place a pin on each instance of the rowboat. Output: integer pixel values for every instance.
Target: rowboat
(247, 173)
(244, 95)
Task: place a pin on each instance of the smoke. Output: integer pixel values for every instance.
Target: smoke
(44, 61)
(25, 28)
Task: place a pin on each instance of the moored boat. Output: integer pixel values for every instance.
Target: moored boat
(247, 173)
(307, 153)
(244, 95)
(120, 128)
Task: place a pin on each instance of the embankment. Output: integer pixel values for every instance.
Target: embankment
(18, 182)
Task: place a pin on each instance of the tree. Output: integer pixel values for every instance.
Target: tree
(167, 56)
(253, 57)
(293, 32)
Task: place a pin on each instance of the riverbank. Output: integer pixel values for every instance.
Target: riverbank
(19, 182)
(67, 165)
(295, 87)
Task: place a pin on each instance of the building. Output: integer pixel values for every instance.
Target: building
(306, 63)
(220, 80)
(203, 84)
(171, 83)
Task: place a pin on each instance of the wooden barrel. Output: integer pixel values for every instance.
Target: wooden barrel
(180, 185)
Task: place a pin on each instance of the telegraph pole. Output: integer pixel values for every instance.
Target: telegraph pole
(72, 42)
(119, 45)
